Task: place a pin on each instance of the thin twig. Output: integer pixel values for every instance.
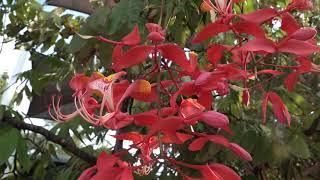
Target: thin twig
(50, 136)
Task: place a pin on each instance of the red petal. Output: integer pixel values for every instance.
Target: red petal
(259, 45)
(304, 34)
(133, 37)
(240, 152)
(126, 174)
(152, 27)
(193, 58)
(131, 136)
(175, 138)
(198, 144)
(214, 119)
(305, 64)
(260, 16)
(78, 82)
(228, 130)
(215, 53)
(164, 112)
(88, 173)
(218, 139)
(175, 54)
(246, 97)
(205, 98)
(184, 137)
(190, 107)
(120, 120)
(146, 97)
(301, 48)
(169, 124)
(144, 119)
(209, 174)
(106, 161)
(279, 109)
(187, 87)
(134, 56)
(210, 31)
(110, 173)
(291, 80)
(249, 28)
(116, 54)
(155, 37)
(289, 23)
(225, 172)
(138, 86)
(270, 71)
(204, 78)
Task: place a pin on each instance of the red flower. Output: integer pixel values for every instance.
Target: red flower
(112, 93)
(190, 107)
(108, 167)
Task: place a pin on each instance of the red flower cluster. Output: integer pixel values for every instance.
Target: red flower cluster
(171, 122)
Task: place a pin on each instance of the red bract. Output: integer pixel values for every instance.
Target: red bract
(294, 46)
(300, 5)
(156, 34)
(278, 107)
(220, 26)
(198, 144)
(190, 107)
(209, 172)
(108, 167)
(139, 54)
(245, 97)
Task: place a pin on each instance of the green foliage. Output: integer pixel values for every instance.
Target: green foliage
(8, 139)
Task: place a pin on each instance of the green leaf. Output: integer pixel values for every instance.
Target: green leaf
(248, 6)
(262, 150)
(98, 20)
(8, 142)
(22, 152)
(119, 16)
(134, 11)
(2, 109)
(105, 54)
(299, 147)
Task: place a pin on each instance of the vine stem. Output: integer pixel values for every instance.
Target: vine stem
(158, 66)
(161, 12)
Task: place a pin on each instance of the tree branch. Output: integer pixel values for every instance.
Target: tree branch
(78, 5)
(67, 145)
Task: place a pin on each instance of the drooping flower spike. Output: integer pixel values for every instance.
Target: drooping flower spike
(109, 113)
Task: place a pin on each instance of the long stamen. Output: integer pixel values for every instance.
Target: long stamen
(212, 5)
(229, 5)
(84, 113)
(59, 116)
(90, 117)
(80, 109)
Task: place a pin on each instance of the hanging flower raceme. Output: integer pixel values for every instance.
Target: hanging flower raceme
(112, 94)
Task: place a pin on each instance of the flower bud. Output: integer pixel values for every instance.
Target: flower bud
(245, 97)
